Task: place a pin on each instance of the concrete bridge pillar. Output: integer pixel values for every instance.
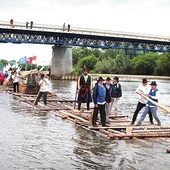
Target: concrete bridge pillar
(61, 60)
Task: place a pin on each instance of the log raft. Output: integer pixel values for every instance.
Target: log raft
(119, 127)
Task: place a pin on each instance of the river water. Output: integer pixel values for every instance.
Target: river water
(42, 141)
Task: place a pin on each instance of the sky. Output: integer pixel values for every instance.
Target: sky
(139, 16)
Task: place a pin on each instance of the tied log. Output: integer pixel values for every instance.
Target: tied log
(87, 115)
(116, 131)
(75, 117)
(50, 100)
(117, 116)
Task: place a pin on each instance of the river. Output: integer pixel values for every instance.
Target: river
(43, 141)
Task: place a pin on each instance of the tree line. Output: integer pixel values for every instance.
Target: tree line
(23, 67)
(112, 61)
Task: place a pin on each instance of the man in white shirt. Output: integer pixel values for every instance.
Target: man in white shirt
(15, 80)
(44, 88)
(143, 88)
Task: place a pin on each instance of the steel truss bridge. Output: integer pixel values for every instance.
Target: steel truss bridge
(65, 35)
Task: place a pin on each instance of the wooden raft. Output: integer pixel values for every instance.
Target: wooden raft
(119, 127)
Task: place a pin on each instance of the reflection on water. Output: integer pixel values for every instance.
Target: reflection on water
(40, 140)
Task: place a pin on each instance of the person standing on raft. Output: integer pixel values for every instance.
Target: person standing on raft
(99, 98)
(143, 88)
(84, 87)
(116, 93)
(44, 88)
(154, 95)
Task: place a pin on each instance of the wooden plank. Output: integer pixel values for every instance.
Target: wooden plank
(109, 127)
(21, 94)
(115, 131)
(75, 117)
(117, 116)
(49, 100)
(57, 109)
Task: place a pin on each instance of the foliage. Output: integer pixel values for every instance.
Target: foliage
(104, 67)
(115, 61)
(111, 61)
(3, 62)
(163, 65)
(144, 64)
(33, 66)
(79, 53)
(122, 63)
(89, 62)
(12, 63)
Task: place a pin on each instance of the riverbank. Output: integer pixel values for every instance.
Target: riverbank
(130, 77)
(121, 77)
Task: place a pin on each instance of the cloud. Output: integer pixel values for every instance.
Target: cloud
(122, 15)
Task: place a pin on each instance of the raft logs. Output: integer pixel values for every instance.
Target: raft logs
(82, 116)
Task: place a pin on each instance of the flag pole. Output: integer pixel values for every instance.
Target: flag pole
(26, 66)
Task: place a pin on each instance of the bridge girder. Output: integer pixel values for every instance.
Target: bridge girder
(85, 40)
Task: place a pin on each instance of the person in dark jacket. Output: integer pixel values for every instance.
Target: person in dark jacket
(84, 89)
(116, 93)
(99, 98)
(108, 87)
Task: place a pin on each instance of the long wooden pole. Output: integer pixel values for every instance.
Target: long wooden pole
(76, 94)
(156, 104)
(74, 116)
(36, 98)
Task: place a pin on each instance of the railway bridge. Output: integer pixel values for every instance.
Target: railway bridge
(63, 38)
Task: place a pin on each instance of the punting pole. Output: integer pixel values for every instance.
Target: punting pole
(156, 104)
(76, 94)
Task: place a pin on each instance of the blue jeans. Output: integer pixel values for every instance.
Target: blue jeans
(153, 111)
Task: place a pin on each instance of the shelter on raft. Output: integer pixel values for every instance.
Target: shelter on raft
(27, 81)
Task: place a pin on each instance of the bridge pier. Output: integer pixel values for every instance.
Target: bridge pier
(61, 60)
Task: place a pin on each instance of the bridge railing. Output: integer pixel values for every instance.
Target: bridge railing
(91, 31)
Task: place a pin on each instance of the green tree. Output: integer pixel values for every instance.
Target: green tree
(89, 61)
(118, 63)
(122, 63)
(163, 65)
(97, 53)
(3, 62)
(80, 52)
(144, 64)
(109, 53)
(105, 66)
